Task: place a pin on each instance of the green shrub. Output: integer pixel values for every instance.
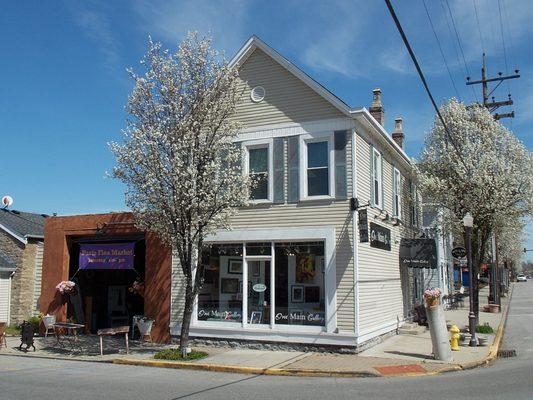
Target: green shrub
(36, 322)
(486, 328)
(13, 331)
(175, 355)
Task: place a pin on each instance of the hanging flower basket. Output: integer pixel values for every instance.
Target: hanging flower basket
(66, 287)
(137, 287)
(432, 296)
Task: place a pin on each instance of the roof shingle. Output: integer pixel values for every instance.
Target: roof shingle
(22, 223)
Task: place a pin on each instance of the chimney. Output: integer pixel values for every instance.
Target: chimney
(376, 109)
(398, 135)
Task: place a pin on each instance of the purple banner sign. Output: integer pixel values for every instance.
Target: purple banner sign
(107, 256)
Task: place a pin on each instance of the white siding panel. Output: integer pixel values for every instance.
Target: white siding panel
(5, 294)
(38, 278)
(287, 98)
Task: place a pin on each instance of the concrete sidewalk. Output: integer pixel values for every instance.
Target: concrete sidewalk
(403, 354)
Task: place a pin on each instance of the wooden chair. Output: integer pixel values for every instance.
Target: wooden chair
(3, 340)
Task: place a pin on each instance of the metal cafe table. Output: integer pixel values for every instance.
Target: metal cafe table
(71, 338)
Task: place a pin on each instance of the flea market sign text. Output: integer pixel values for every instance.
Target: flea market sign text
(379, 237)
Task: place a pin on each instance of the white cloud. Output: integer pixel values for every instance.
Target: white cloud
(97, 27)
(171, 20)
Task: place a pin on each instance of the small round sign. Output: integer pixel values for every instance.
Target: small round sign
(259, 287)
(459, 252)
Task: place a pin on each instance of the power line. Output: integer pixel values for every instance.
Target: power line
(479, 27)
(441, 51)
(448, 12)
(424, 82)
(504, 46)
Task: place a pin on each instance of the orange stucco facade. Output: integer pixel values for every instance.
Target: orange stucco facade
(59, 230)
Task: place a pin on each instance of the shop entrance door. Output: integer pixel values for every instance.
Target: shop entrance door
(258, 291)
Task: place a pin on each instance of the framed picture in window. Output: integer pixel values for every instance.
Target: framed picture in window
(229, 285)
(297, 294)
(305, 268)
(234, 266)
(255, 317)
(312, 294)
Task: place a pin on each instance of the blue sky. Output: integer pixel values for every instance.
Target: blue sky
(64, 84)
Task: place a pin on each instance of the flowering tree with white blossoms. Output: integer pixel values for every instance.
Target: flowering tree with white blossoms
(487, 172)
(178, 161)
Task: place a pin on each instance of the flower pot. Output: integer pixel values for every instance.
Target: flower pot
(431, 302)
(145, 327)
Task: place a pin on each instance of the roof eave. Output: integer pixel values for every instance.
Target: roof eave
(14, 234)
(363, 112)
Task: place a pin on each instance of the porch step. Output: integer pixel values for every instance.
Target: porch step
(411, 329)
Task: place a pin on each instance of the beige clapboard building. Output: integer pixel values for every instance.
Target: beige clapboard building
(302, 264)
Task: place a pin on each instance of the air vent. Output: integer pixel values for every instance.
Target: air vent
(257, 94)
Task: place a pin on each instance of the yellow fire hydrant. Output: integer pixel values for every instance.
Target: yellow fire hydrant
(454, 341)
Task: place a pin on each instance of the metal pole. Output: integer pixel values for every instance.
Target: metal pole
(471, 315)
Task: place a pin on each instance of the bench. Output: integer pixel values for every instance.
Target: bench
(125, 330)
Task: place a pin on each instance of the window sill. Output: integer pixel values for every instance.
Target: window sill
(255, 202)
(317, 198)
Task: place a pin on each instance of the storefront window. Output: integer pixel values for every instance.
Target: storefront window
(299, 281)
(258, 249)
(220, 299)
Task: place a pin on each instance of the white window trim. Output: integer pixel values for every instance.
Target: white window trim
(256, 144)
(310, 138)
(377, 167)
(397, 193)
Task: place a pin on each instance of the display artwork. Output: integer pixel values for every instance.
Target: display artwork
(234, 266)
(297, 294)
(312, 294)
(255, 317)
(107, 256)
(229, 285)
(305, 268)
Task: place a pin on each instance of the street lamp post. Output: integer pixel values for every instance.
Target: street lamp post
(468, 222)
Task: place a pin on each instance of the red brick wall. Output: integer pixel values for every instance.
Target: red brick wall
(56, 261)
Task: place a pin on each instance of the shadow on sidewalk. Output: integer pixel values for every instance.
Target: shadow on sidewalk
(402, 353)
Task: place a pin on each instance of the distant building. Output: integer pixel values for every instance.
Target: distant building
(21, 254)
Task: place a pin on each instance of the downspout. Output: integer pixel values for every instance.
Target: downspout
(354, 236)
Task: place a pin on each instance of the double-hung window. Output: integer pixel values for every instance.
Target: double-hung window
(317, 166)
(259, 169)
(377, 192)
(396, 193)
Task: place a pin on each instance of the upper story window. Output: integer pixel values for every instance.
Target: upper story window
(317, 169)
(414, 204)
(259, 168)
(396, 193)
(377, 181)
(317, 166)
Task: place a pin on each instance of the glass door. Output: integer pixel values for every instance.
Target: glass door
(258, 291)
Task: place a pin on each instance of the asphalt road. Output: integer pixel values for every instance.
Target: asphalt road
(24, 378)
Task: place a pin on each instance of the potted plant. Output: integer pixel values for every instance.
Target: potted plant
(144, 325)
(432, 296)
(66, 288)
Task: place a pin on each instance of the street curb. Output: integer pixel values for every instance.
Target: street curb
(23, 355)
(247, 370)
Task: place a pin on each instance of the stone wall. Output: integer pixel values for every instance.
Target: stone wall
(22, 283)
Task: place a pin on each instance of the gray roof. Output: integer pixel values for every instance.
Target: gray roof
(6, 263)
(23, 224)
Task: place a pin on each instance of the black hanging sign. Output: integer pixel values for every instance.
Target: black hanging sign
(418, 253)
(379, 237)
(459, 252)
(363, 225)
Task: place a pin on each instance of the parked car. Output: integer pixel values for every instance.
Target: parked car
(521, 278)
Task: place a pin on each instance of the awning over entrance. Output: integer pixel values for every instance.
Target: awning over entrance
(418, 253)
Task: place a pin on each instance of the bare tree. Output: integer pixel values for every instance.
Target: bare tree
(178, 161)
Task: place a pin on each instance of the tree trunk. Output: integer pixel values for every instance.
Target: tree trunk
(186, 321)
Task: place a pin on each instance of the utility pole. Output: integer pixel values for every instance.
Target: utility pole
(494, 105)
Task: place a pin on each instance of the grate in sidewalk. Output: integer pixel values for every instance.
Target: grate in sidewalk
(506, 353)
